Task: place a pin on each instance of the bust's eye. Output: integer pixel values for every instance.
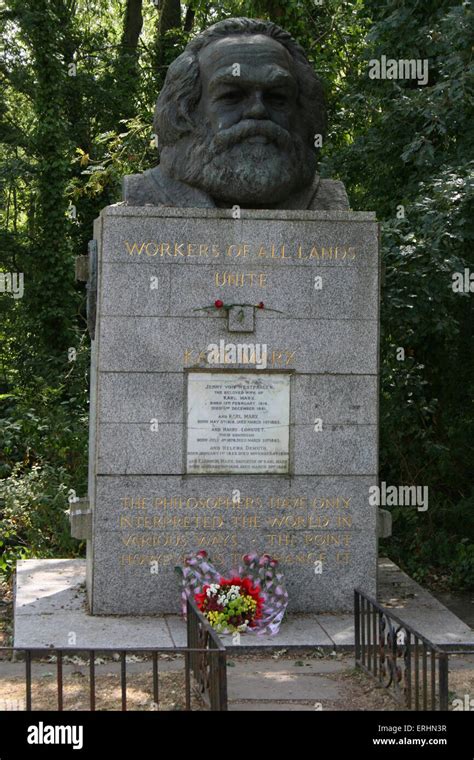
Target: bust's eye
(230, 96)
(276, 98)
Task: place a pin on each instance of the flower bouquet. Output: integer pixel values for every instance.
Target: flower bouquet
(231, 605)
(253, 600)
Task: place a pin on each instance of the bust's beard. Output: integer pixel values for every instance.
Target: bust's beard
(233, 169)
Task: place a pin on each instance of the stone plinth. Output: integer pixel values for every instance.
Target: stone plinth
(283, 465)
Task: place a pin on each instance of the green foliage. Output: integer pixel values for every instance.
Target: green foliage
(33, 520)
(418, 142)
(43, 439)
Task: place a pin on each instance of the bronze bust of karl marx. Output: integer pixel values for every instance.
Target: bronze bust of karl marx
(236, 122)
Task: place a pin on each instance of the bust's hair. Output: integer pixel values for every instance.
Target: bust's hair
(182, 88)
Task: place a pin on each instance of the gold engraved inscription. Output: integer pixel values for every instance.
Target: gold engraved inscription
(173, 251)
(296, 530)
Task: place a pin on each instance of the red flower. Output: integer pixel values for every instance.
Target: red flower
(202, 553)
(218, 304)
(201, 598)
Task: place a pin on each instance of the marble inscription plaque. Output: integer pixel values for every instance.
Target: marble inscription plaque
(238, 423)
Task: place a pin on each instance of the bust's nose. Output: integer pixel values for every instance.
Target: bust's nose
(254, 107)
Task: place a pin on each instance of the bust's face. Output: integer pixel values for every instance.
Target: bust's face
(247, 78)
(249, 145)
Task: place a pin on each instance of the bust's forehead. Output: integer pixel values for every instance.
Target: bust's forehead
(254, 50)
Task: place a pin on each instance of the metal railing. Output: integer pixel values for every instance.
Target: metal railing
(400, 658)
(204, 660)
(207, 657)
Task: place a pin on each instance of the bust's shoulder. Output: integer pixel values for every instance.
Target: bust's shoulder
(154, 187)
(330, 196)
(140, 190)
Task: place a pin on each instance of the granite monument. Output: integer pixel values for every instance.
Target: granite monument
(234, 382)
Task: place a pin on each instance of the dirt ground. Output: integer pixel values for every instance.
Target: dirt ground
(354, 689)
(108, 695)
(6, 612)
(359, 691)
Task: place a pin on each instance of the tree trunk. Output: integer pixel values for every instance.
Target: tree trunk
(127, 72)
(49, 274)
(170, 18)
(132, 25)
(189, 20)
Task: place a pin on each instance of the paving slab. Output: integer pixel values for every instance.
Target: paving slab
(50, 610)
(461, 662)
(49, 586)
(295, 631)
(339, 628)
(177, 628)
(79, 630)
(294, 666)
(462, 604)
(419, 608)
(269, 706)
(265, 684)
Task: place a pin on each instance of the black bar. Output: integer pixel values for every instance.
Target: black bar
(222, 662)
(215, 699)
(425, 678)
(155, 678)
(382, 664)
(187, 680)
(59, 671)
(393, 655)
(362, 632)
(369, 636)
(417, 676)
(206, 625)
(407, 627)
(443, 681)
(123, 679)
(208, 656)
(408, 670)
(46, 651)
(374, 633)
(92, 679)
(28, 679)
(433, 680)
(191, 637)
(369, 640)
(357, 625)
